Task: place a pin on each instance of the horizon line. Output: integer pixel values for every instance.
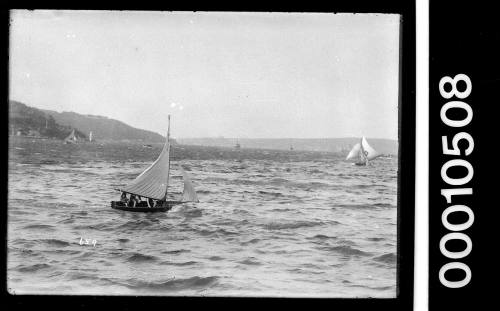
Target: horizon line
(243, 138)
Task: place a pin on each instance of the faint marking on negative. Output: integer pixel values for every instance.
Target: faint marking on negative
(88, 242)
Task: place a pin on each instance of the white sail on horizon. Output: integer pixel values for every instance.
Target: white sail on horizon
(369, 152)
(362, 152)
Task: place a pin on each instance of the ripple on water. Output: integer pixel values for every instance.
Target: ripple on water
(173, 284)
(137, 257)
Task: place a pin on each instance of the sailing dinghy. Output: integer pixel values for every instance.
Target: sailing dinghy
(152, 184)
(362, 152)
(71, 139)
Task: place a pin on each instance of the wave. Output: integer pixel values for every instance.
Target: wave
(252, 261)
(206, 232)
(357, 206)
(322, 237)
(252, 241)
(389, 258)
(131, 224)
(64, 251)
(273, 194)
(94, 278)
(176, 251)
(173, 284)
(291, 225)
(345, 250)
(302, 271)
(56, 242)
(189, 212)
(138, 257)
(375, 239)
(99, 227)
(49, 162)
(69, 220)
(78, 213)
(273, 182)
(278, 181)
(41, 227)
(33, 268)
(384, 205)
(179, 264)
(198, 191)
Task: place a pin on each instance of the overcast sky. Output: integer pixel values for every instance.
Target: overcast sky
(248, 75)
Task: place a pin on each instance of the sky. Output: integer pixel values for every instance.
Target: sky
(243, 75)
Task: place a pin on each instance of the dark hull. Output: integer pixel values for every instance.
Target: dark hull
(143, 209)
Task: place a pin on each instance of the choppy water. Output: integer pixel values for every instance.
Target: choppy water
(270, 223)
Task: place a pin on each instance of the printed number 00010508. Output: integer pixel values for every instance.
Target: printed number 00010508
(454, 150)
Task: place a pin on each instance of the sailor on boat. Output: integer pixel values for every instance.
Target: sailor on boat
(124, 198)
(151, 202)
(152, 184)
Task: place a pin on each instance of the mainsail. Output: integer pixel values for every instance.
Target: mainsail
(188, 194)
(153, 182)
(368, 150)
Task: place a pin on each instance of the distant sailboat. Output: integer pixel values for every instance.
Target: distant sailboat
(152, 184)
(71, 139)
(237, 146)
(90, 136)
(291, 148)
(362, 152)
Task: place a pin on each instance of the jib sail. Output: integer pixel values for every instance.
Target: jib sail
(188, 194)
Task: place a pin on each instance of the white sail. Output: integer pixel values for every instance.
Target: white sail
(90, 136)
(188, 194)
(369, 152)
(71, 137)
(354, 153)
(153, 182)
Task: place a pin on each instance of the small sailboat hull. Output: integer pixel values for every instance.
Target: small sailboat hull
(143, 209)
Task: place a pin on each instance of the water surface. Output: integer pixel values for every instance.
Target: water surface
(270, 223)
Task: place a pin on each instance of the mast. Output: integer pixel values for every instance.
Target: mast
(168, 142)
(362, 155)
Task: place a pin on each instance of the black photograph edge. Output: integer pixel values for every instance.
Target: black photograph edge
(406, 168)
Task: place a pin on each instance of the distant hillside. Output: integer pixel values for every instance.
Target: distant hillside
(102, 128)
(28, 121)
(343, 145)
